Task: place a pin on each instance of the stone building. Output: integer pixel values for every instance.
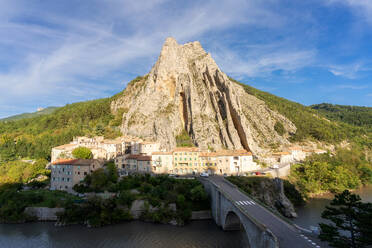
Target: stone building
(162, 162)
(148, 147)
(66, 173)
(63, 152)
(186, 160)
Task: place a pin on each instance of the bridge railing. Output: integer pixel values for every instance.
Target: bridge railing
(261, 226)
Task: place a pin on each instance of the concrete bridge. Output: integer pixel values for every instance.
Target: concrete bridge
(234, 210)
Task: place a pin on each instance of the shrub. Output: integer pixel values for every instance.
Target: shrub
(82, 152)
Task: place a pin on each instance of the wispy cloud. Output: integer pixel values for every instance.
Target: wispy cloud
(350, 71)
(362, 8)
(59, 54)
(262, 60)
(353, 87)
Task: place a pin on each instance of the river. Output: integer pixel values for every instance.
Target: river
(129, 235)
(310, 214)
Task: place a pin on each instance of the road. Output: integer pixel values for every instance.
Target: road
(288, 235)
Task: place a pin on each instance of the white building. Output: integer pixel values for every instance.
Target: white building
(148, 147)
(162, 162)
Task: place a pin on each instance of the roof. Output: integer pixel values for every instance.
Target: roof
(111, 141)
(148, 142)
(295, 148)
(186, 149)
(208, 154)
(144, 158)
(134, 156)
(76, 161)
(233, 153)
(161, 153)
(65, 146)
(281, 153)
(226, 153)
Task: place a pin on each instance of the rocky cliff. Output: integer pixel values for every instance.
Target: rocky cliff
(186, 90)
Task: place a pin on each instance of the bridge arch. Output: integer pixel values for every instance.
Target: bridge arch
(232, 222)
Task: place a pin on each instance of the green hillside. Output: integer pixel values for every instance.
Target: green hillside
(353, 115)
(34, 137)
(45, 111)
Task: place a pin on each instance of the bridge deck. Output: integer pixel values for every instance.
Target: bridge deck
(288, 235)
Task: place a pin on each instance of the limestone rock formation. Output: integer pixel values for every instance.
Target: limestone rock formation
(186, 90)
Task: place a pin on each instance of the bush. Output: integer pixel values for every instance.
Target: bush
(82, 152)
(279, 128)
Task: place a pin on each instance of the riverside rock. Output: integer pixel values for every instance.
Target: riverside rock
(186, 91)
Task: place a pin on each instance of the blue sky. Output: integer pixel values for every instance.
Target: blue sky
(58, 52)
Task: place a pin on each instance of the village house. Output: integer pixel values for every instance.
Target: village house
(162, 162)
(66, 173)
(185, 160)
(233, 162)
(297, 153)
(144, 164)
(283, 157)
(148, 147)
(63, 151)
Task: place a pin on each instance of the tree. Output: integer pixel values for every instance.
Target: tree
(112, 172)
(82, 152)
(352, 221)
(279, 128)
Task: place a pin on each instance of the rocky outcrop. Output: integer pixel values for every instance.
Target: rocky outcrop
(271, 192)
(185, 90)
(44, 213)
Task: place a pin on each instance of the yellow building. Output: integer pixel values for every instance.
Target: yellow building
(186, 160)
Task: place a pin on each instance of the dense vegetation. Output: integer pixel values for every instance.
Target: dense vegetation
(346, 169)
(13, 201)
(45, 111)
(354, 115)
(21, 172)
(82, 152)
(184, 140)
(157, 192)
(310, 123)
(350, 222)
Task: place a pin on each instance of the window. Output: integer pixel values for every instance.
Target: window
(85, 173)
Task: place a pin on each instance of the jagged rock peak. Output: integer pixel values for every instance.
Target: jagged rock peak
(186, 90)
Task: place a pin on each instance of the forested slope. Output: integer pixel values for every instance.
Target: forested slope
(36, 136)
(353, 115)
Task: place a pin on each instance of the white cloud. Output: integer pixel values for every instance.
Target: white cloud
(262, 60)
(362, 8)
(350, 71)
(352, 87)
(59, 54)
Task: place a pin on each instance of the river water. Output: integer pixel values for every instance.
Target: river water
(129, 235)
(310, 214)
